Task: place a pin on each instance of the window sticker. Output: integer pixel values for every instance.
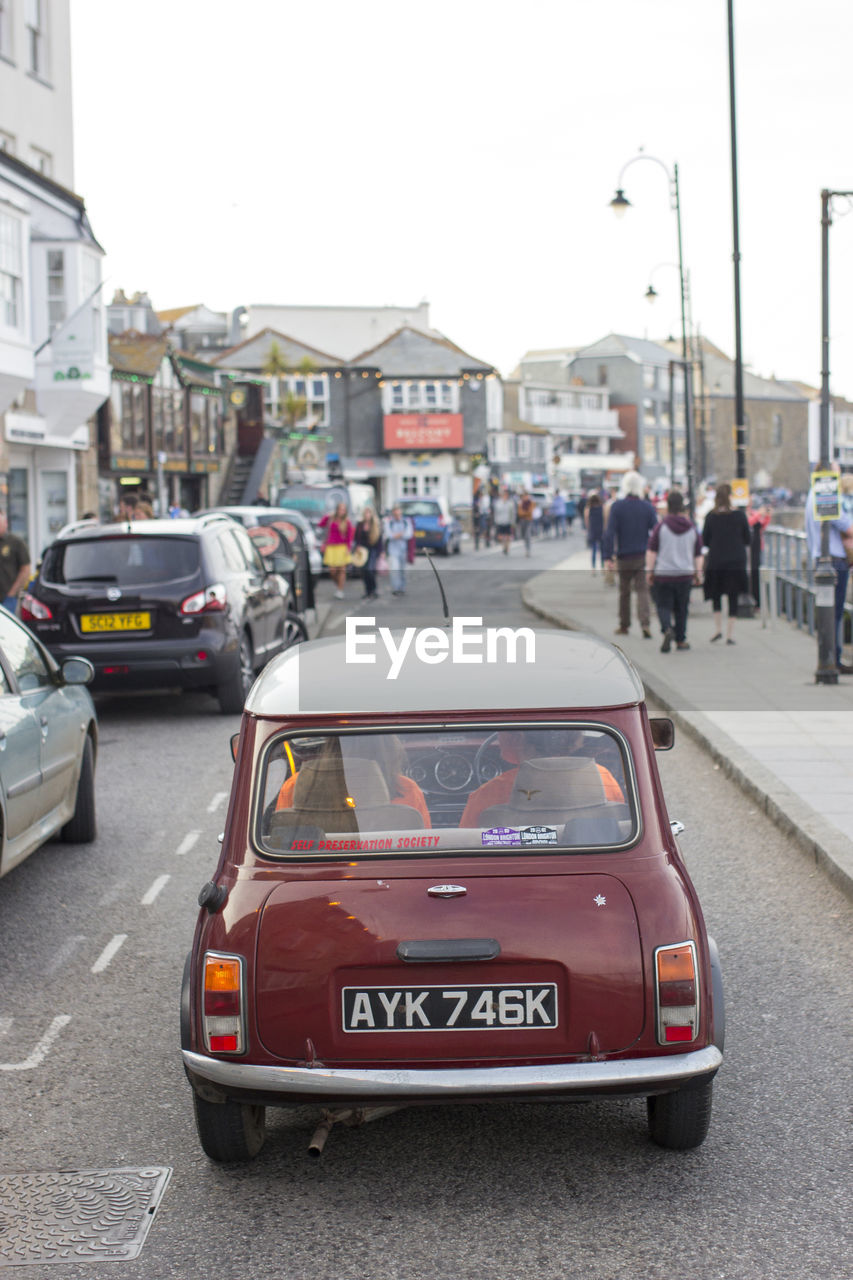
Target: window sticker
(538, 835)
(501, 836)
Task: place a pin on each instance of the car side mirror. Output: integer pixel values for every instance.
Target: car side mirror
(77, 671)
(663, 733)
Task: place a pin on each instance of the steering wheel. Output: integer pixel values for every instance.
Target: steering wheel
(479, 760)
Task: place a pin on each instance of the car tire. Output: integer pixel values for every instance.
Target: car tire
(444, 549)
(233, 692)
(457, 546)
(81, 827)
(295, 630)
(229, 1132)
(679, 1121)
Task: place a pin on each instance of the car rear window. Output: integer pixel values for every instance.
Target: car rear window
(484, 789)
(125, 561)
(421, 509)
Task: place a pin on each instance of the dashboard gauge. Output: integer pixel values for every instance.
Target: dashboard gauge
(417, 773)
(489, 769)
(453, 772)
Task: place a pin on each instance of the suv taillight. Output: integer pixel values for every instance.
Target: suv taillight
(32, 610)
(222, 1003)
(441, 522)
(676, 980)
(211, 600)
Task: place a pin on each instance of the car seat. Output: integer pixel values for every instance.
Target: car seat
(343, 796)
(560, 791)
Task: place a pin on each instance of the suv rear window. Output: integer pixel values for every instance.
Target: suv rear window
(487, 789)
(421, 509)
(125, 562)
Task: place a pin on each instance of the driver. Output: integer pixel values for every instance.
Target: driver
(518, 745)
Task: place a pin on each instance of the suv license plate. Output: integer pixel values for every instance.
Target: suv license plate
(115, 622)
(530, 1005)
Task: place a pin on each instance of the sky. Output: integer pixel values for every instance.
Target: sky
(465, 152)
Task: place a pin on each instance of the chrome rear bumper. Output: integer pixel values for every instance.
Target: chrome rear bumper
(636, 1075)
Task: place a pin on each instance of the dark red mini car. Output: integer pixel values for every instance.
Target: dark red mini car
(448, 874)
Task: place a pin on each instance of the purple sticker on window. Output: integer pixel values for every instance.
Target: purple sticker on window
(501, 836)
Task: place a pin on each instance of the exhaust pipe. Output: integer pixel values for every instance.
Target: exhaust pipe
(352, 1116)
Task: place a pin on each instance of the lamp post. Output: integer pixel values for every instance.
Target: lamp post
(686, 372)
(619, 204)
(825, 576)
(740, 425)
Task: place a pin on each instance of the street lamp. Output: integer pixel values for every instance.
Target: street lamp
(825, 577)
(619, 204)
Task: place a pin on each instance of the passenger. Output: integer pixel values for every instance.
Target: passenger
(388, 753)
(515, 747)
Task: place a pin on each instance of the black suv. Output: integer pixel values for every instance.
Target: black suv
(159, 604)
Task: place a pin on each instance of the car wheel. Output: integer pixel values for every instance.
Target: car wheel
(232, 693)
(295, 630)
(229, 1132)
(444, 549)
(457, 546)
(680, 1120)
(81, 827)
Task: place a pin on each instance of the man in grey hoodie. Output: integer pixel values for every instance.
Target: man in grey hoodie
(673, 566)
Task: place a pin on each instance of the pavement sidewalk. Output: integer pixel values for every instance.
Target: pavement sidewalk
(754, 706)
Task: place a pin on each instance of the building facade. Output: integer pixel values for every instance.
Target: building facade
(35, 86)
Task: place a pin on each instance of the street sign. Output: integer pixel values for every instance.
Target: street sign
(740, 493)
(827, 497)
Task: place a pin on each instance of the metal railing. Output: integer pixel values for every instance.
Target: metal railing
(786, 581)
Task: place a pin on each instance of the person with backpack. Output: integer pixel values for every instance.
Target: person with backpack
(673, 566)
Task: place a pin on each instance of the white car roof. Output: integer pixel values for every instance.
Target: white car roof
(569, 670)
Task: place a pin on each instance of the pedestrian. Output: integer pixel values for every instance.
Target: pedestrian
(626, 537)
(525, 515)
(593, 518)
(673, 566)
(759, 518)
(15, 565)
(726, 535)
(398, 531)
(557, 512)
(503, 514)
(481, 518)
(571, 512)
(337, 546)
(838, 531)
(127, 506)
(368, 536)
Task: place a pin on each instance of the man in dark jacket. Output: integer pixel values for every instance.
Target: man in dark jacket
(673, 566)
(626, 537)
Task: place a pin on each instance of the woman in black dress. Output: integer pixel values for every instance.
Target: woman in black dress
(727, 537)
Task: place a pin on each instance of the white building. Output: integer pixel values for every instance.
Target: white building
(35, 86)
(53, 350)
(342, 331)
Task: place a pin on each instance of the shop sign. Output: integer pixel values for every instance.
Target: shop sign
(129, 462)
(423, 430)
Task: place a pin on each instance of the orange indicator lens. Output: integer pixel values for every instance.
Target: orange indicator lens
(221, 974)
(675, 964)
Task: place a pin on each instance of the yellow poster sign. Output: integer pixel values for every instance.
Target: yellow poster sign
(740, 493)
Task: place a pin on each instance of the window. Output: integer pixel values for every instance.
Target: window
(431, 484)
(11, 272)
(409, 486)
(649, 414)
(35, 36)
(522, 446)
(602, 375)
(777, 429)
(127, 561)
(168, 411)
(7, 140)
(5, 42)
(24, 656)
(91, 291)
(397, 396)
(562, 787)
(132, 409)
(650, 376)
(446, 395)
(430, 394)
(41, 161)
(56, 309)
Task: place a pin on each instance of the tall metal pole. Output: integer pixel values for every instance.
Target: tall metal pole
(740, 426)
(685, 356)
(825, 576)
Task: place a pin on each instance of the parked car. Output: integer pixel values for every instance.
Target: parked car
(283, 539)
(436, 528)
(458, 888)
(318, 500)
(157, 604)
(48, 746)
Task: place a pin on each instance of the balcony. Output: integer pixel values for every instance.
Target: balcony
(16, 369)
(573, 421)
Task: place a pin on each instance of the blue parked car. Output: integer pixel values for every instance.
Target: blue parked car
(435, 528)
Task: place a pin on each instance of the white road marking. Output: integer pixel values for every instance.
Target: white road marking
(158, 884)
(187, 843)
(64, 954)
(39, 1053)
(217, 801)
(108, 952)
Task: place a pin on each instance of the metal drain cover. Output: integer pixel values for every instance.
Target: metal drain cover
(77, 1215)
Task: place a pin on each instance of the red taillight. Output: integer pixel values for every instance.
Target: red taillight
(211, 600)
(441, 522)
(222, 1003)
(32, 610)
(677, 993)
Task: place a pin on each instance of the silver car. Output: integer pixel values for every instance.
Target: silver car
(48, 745)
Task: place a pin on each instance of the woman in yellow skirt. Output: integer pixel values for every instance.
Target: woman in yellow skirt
(338, 545)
